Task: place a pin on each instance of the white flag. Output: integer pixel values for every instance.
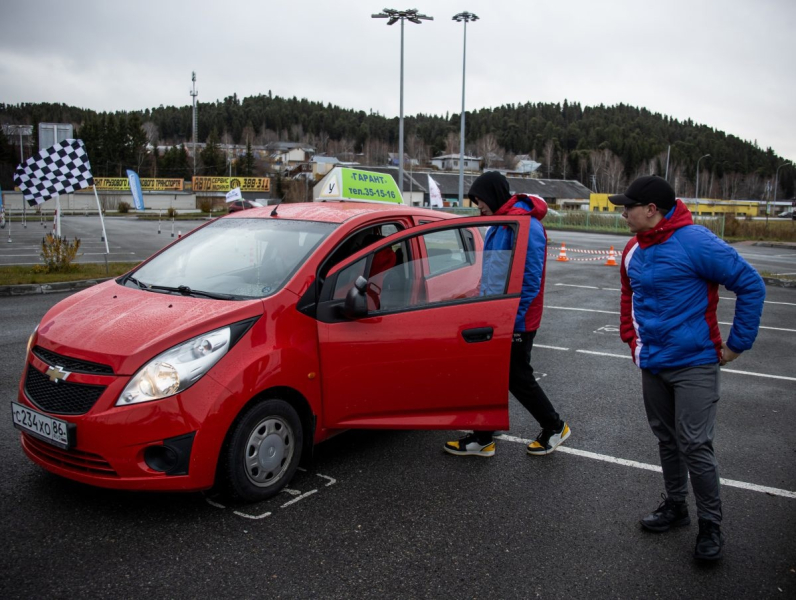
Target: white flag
(434, 194)
(234, 194)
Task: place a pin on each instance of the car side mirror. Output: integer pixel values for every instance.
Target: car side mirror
(356, 300)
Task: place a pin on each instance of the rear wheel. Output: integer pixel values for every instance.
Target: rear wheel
(264, 451)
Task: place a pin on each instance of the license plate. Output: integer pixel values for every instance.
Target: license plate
(53, 431)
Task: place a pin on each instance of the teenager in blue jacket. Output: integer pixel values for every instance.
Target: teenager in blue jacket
(671, 270)
(491, 192)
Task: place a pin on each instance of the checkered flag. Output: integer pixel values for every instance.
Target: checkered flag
(61, 169)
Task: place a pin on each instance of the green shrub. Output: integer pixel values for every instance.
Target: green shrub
(171, 212)
(58, 253)
(206, 204)
(124, 207)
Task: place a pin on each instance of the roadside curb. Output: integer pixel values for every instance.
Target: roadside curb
(788, 245)
(785, 283)
(48, 288)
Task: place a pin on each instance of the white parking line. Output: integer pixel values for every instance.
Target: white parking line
(614, 312)
(723, 370)
(639, 465)
(296, 499)
(550, 347)
(607, 312)
(603, 353)
(625, 356)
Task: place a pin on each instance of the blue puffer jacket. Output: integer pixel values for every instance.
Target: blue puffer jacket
(670, 278)
(496, 264)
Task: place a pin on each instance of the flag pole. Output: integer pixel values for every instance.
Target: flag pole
(58, 216)
(104, 236)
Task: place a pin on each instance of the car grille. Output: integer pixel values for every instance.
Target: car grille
(63, 398)
(74, 460)
(71, 364)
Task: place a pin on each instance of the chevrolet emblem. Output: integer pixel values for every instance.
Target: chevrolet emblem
(57, 374)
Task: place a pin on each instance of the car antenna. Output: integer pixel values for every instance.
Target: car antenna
(273, 212)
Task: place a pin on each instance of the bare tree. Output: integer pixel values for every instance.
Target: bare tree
(452, 143)
(487, 147)
(583, 165)
(563, 159)
(549, 155)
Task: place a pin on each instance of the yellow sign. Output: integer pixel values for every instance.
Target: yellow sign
(225, 184)
(148, 184)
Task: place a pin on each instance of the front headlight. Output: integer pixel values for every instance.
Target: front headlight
(176, 369)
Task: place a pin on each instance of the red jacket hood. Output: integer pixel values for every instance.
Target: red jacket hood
(538, 206)
(666, 227)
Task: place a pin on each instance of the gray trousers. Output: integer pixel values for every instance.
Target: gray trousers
(681, 410)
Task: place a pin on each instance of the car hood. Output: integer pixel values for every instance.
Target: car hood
(124, 327)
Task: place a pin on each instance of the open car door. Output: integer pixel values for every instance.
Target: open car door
(407, 340)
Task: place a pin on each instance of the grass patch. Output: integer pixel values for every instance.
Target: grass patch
(19, 275)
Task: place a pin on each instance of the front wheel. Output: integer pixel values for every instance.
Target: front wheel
(263, 452)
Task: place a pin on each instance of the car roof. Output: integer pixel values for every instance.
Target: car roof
(336, 212)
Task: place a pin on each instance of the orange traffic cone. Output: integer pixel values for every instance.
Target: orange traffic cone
(562, 255)
(611, 262)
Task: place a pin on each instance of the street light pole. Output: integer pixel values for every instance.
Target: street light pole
(697, 184)
(463, 17)
(394, 16)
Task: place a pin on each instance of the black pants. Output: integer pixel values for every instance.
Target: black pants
(524, 386)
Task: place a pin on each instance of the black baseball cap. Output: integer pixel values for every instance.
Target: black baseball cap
(649, 189)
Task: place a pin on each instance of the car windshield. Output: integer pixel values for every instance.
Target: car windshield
(232, 258)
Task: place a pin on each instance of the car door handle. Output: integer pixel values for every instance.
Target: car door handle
(479, 334)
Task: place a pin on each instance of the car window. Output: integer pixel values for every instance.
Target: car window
(247, 258)
(356, 242)
(399, 281)
(445, 250)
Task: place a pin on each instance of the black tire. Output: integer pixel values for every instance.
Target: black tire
(263, 452)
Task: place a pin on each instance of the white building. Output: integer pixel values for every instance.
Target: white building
(450, 162)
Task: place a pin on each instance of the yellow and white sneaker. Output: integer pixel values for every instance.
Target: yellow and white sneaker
(548, 440)
(470, 446)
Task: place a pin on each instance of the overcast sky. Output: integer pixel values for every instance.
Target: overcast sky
(728, 64)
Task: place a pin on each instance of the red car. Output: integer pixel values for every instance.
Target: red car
(237, 205)
(224, 358)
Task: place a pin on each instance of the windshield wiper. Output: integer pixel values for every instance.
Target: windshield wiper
(186, 291)
(142, 286)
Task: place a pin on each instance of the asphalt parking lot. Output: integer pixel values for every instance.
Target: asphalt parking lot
(389, 514)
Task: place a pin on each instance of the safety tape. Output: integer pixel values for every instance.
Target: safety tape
(602, 252)
(577, 259)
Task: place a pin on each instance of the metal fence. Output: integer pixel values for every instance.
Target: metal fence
(613, 222)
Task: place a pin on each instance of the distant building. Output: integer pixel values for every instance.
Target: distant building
(321, 165)
(289, 153)
(450, 162)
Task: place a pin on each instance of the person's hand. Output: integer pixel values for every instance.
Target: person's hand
(727, 355)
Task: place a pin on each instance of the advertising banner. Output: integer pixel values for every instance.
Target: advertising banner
(148, 184)
(225, 184)
(135, 188)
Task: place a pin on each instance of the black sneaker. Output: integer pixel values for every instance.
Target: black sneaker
(548, 440)
(469, 445)
(668, 514)
(710, 541)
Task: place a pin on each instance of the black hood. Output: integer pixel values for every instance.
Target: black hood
(492, 188)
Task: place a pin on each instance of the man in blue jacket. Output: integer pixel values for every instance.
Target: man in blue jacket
(671, 270)
(491, 193)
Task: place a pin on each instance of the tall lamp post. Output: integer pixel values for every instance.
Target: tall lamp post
(394, 16)
(697, 183)
(464, 17)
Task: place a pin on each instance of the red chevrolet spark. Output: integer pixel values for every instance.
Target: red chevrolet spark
(224, 358)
